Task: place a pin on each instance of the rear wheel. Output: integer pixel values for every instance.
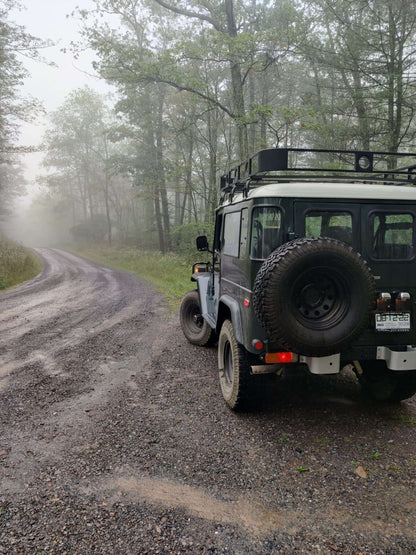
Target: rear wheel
(234, 364)
(382, 384)
(194, 327)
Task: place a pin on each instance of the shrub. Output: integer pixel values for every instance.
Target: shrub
(17, 264)
(183, 239)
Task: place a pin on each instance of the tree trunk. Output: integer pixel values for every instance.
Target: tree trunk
(161, 171)
(237, 85)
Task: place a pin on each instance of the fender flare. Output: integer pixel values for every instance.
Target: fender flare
(235, 315)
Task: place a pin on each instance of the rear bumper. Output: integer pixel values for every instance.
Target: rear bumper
(400, 361)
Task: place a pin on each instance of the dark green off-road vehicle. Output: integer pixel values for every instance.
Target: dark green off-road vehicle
(313, 264)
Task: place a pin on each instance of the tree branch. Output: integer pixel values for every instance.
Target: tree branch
(214, 101)
(189, 13)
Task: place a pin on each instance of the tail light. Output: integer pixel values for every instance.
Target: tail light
(282, 357)
(383, 301)
(398, 302)
(402, 303)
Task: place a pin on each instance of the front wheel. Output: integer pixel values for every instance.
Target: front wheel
(382, 384)
(234, 364)
(194, 327)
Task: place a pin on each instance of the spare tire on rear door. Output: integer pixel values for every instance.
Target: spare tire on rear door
(314, 296)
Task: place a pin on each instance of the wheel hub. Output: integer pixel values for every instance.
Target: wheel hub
(316, 298)
(197, 319)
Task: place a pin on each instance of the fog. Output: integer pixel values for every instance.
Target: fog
(35, 220)
(34, 226)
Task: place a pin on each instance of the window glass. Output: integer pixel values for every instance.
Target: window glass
(265, 231)
(232, 233)
(244, 232)
(393, 236)
(321, 223)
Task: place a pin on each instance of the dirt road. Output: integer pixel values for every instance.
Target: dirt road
(114, 438)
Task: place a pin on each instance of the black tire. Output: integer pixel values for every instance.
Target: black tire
(314, 296)
(194, 327)
(382, 384)
(234, 364)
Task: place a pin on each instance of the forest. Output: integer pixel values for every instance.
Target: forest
(197, 87)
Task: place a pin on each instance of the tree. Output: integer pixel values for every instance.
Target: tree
(14, 42)
(78, 149)
(203, 84)
(234, 39)
(363, 54)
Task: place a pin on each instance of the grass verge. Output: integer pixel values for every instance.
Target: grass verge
(169, 272)
(17, 264)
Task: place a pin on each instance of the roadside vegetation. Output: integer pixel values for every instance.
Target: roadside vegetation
(170, 273)
(17, 264)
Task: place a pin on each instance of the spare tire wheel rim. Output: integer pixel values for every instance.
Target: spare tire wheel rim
(321, 298)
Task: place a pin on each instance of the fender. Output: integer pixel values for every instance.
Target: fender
(227, 302)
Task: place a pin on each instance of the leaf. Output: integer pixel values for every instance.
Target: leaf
(301, 469)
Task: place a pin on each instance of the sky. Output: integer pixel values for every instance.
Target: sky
(47, 19)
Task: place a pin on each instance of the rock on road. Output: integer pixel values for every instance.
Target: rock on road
(114, 437)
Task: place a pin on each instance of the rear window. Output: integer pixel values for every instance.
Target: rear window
(393, 235)
(325, 223)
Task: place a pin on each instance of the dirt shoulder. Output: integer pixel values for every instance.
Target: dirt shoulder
(114, 437)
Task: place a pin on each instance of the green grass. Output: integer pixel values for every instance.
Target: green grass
(405, 419)
(17, 264)
(170, 273)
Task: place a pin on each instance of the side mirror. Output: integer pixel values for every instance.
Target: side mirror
(202, 243)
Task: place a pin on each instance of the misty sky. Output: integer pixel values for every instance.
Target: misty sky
(48, 19)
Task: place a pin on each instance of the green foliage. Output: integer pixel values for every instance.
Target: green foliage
(14, 108)
(406, 419)
(201, 84)
(17, 264)
(183, 239)
(301, 469)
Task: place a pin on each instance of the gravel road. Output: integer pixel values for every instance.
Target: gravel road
(115, 439)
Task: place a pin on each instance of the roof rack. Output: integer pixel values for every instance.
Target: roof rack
(289, 164)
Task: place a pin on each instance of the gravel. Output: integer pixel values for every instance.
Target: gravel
(115, 439)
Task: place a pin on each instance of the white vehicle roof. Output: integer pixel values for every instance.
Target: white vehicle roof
(330, 190)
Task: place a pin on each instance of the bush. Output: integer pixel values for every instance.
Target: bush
(183, 239)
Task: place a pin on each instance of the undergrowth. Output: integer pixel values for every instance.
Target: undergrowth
(17, 264)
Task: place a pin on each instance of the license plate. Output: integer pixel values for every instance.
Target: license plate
(393, 321)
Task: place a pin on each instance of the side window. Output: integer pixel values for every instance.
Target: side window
(231, 237)
(265, 231)
(393, 236)
(244, 233)
(217, 233)
(338, 225)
